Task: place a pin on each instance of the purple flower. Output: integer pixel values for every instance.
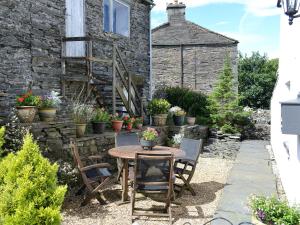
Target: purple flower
(261, 215)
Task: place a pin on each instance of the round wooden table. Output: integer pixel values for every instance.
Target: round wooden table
(127, 153)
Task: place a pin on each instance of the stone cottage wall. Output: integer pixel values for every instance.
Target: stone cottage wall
(201, 65)
(30, 42)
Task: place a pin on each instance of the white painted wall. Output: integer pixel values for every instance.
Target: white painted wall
(287, 147)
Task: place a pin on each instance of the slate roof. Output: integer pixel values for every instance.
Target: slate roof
(187, 32)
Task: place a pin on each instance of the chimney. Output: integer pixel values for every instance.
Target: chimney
(176, 12)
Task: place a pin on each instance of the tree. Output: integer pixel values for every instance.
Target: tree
(257, 78)
(29, 191)
(226, 114)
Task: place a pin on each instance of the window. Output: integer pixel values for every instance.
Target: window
(116, 17)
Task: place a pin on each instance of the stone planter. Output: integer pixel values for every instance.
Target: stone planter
(80, 130)
(178, 120)
(191, 120)
(147, 144)
(117, 125)
(47, 115)
(256, 221)
(26, 114)
(98, 127)
(160, 120)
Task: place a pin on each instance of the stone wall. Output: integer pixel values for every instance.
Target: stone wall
(201, 66)
(30, 46)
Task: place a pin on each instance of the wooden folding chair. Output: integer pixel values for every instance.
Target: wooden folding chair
(153, 174)
(185, 168)
(95, 176)
(125, 139)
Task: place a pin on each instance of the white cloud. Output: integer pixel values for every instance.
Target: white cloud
(255, 7)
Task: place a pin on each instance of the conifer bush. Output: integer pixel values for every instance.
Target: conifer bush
(2, 133)
(29, 191)
(226, 113)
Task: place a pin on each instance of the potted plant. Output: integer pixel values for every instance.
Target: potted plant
(176, 140)
(178, 115)
(191, 118)
(116, 122)
(149, 137)
(26, 107)
(138, 123)
(82, 114)
(270, 210)
(128, 122)
(158, 109)
(48, 106)
(99, 120)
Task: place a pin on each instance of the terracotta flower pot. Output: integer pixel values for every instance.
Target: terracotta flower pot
(26, 114)
(160, 120)
(129, 127)
(147, 144)
(117, 125)
(98, 127)
(191, 120)
(139, 126)
(178, 120)
(47, 115)
(80, 130)
(256, 221)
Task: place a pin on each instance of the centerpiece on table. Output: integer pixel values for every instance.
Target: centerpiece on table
(26, 105)
(128, 122)
(178, 115)
(270, 210)
(117, 122)
(158, 109)
(48, 106)
(99, 120)
(148, 140)
(82, 114)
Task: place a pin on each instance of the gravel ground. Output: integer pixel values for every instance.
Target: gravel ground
(208, 182)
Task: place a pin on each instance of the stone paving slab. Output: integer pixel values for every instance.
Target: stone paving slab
(251, 174)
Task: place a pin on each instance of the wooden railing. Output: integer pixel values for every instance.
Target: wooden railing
(121, 77)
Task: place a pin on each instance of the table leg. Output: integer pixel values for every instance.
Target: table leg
(125, 181)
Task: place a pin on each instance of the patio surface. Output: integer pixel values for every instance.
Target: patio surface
(251, 174)
(208, 182)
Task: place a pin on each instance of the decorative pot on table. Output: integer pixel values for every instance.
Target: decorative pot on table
(98, 127)
(147, 144)
(160, 120)
(178, 120)
(191, 120)
(47, 114)
(117, 125)
(26, 114)
(80, 130)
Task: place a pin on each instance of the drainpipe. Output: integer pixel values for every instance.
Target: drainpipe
(150, 40)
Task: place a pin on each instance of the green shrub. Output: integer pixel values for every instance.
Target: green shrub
(2, 133)
(28, 188)
(257, 78)
(270, 210)
(158, 106)
(226, 113)
(194, 103)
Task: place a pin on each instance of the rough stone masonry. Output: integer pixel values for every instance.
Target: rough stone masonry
(187, 55)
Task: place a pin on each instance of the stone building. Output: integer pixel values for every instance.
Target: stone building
(188, 55)
(31, 52)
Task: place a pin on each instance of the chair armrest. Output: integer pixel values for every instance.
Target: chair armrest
(92, 157)
(95, 166)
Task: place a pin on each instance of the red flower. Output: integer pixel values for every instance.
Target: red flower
(21, 99)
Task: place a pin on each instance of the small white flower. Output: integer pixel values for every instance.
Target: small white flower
(175, 109)
(177, 138)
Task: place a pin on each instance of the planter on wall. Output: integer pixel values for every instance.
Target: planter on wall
(117, 125)
(98, 127)
(191, 120)
(178, 120)
(80, 130)
(160, 120)
(47, 115)
(26, 114)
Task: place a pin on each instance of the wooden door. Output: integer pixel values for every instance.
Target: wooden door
(75, 27)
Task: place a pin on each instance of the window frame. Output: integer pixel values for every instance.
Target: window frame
(111, 17)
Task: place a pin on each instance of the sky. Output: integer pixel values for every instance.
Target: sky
(254, 23)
